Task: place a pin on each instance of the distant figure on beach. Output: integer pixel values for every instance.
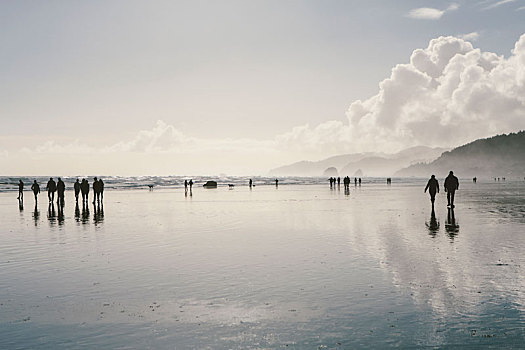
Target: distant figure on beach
(346, 182)
(185, 185)
(61, 189)
(101, 188)
(359, 181)
(338, 181)
(251, 183)
(331, 182)
(191, 184)
(276, 183)
(84, 188)
(20, 190)
(475, 179)
(388, 181)
(51, 189)
(433, 188)
(96, 190)
(76, 186)
(451, 185)
(36, 189)
(355, 181)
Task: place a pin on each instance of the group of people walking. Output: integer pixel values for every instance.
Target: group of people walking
(60, 188)
(451, 185)
(346, 181)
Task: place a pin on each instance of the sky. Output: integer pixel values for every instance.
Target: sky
(240, 87)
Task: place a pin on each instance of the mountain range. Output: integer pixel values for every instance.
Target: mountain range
(498, 156)
(361, 164)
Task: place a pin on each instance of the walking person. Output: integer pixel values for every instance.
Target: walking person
(433, 188)
(36, 190)
(96, 190)
(20, 190)
(51, 189)
(451, 185)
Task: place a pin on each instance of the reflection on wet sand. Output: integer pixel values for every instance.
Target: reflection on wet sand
(36, 214)
(51, 213)
(85, 213)
(451, 225)
(77, 212)
(98, 216)
(432, 224)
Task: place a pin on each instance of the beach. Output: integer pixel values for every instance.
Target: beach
(296, 266)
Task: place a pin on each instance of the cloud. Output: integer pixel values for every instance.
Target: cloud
(473, 36)
(498, 4)
(449, 93)
(430, 13)
(520, 8)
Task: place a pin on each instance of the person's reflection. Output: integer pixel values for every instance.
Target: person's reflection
(451, 225)
(77, 212)
(433, 224)
(347, 190)
(60, 207)
(98, 213)
(51, 214)
(20, 204)
(85, 212)
(36, 214)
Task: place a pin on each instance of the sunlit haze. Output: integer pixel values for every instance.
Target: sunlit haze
(240, 87)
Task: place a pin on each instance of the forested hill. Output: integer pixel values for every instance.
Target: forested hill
(502, 155)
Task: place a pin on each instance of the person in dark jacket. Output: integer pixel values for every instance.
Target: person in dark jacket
(76, 186)
(433, 188)
(51, 189)
(61, 189)
(84, 188)
(36, 189)
(451, 185)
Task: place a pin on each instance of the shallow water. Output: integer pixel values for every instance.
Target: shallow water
(298, 266)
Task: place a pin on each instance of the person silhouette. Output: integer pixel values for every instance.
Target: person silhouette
(20, 190)
(359, 181)
(433, 188)
(84, 188)
(338, 181)
(451, 185)
(185, 185)
(191, 184)
(76, 186)
(36, 189)
(276, 183)
(101, 189)
(96, 190)
(355, 181)
(51, 189)
(61, 188)
(251, 183)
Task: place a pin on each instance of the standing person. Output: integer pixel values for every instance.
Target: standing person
(451, 185)
(276, 182)
(101, 188)
(84, 188)
(251, 183)
(51, 189)
(433, 188)
(61, 189)
(96, 190)
(191, 184)
(20, 190)
(36, 189)
(76, 186)
(359, 181)
(185, 185)
(355, 181)
(338, 181)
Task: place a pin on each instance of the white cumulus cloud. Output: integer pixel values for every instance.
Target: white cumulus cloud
(473, 36)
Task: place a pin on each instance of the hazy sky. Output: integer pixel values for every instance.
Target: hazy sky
(182, 87)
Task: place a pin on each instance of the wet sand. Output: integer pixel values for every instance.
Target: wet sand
(295, 267)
